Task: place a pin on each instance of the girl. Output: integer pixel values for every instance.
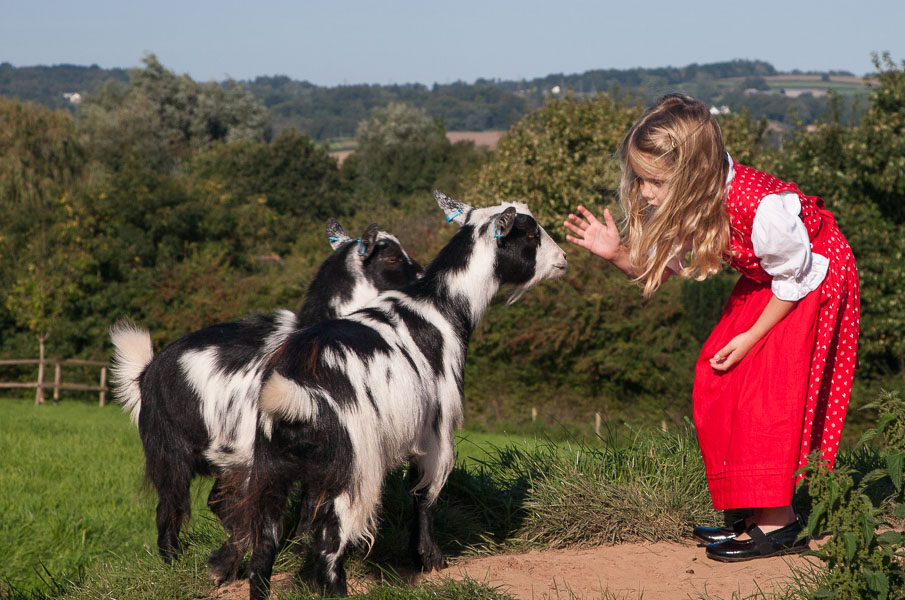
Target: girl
(773, 379)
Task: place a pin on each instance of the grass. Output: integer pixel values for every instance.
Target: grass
(71, 491)
(72, 494)
(78, 524)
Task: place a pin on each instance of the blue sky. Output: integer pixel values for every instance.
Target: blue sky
(343, 42)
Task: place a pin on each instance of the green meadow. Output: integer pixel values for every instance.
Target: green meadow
(77, 517)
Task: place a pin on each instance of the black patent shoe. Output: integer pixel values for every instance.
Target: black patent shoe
(761, 545)
(714, 535)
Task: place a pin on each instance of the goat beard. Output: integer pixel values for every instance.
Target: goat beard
(518, 293)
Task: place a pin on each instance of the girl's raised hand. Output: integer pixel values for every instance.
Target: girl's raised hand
(599, 238)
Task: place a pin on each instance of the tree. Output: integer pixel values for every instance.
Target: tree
(161, 116)
(400, 150)
(558, 157)
(40, 164)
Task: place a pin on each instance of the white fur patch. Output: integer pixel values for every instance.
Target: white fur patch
(228, 405)
(285, 399)
(132, 351)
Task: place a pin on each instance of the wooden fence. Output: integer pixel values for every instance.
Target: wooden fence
(58, 384)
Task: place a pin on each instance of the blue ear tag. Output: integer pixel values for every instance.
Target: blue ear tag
(362, 248)
(334, 239)
(453, 215)
(497, 233)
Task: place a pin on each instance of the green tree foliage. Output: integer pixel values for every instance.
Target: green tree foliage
(40, 162)
(558, 157)
(291, 175)
(400, 151)
(160, 113)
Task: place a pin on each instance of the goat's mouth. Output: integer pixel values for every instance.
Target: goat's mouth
(562, 266)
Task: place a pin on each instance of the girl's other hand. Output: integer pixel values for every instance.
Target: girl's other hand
(733, 352)
(599, 238)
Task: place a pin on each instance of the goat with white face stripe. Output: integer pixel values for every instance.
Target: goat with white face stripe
(196, 402)
(350, 399)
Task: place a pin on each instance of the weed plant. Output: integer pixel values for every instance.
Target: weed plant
(864, 555)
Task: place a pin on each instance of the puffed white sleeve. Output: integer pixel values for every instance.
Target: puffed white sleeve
(781, 243)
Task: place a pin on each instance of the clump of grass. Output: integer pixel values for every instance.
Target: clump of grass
(651, 488)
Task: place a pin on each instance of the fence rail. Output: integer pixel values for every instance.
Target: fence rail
(58, 384)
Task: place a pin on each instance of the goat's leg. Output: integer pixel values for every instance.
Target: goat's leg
(422, 544)
(225, 561)
(173, 506)
(268, 527)
(327, 547)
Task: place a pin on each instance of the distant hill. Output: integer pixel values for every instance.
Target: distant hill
(487, 104)
(47, 85)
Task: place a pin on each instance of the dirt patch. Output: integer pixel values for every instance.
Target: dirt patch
(662, 571)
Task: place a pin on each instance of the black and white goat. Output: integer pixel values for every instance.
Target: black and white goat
(345, 401)
(196, 402)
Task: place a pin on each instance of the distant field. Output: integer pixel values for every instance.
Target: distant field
(342, 148)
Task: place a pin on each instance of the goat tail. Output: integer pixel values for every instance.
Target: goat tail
(132, 351)
(285, 399)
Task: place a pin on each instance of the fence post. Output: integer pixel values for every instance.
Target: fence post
(103, 399)
(57, 376)
(39, 393)
(597, 421)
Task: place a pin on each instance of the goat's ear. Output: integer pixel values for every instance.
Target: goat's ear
(335, 233)
(455, 210)
(368, 241)
(503, 222)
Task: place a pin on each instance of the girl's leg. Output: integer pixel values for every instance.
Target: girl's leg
(771, 518)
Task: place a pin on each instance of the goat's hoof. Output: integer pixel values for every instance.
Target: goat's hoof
(219, 578)
(432, 560)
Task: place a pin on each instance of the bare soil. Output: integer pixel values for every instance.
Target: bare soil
(656, 571)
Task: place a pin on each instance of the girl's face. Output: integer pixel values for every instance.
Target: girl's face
(654, 186)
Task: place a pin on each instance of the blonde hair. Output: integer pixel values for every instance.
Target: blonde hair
(680, 142)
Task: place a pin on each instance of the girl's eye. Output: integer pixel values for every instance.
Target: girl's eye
(656, 182)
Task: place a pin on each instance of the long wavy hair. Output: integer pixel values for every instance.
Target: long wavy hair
(679, 142)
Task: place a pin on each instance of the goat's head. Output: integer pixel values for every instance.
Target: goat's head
(380, 256)
(356, 271)
(523, 253)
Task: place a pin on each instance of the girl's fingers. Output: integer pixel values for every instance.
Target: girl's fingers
(578, 221)
(576, 241)
(587, 214)
(574, 228)
(610, 222)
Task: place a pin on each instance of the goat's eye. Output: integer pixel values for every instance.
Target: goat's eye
(531, 235)
(392, 260)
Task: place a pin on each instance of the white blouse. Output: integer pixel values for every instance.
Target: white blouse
(781, 242)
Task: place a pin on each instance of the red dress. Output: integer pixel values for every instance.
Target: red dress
(757, 421)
